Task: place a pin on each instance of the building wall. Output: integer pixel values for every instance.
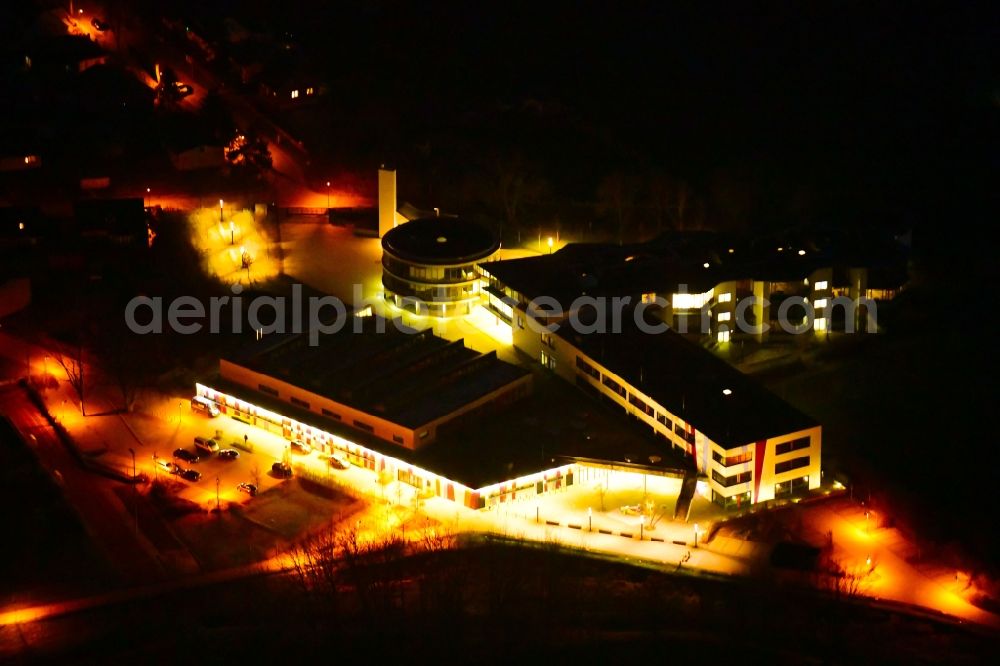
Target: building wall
(391, 469)
(765, 481)
(446, 290)
(576, 367)
(386, 201)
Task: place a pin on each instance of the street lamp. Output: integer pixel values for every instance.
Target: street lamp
(550, 244)
(135, 502)
(327, 194)
(232, 233)
(221, 203)
(590, 519)
(697, 534)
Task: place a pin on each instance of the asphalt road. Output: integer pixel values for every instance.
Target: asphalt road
(104, 516)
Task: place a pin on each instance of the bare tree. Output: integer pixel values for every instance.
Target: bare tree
(682, 202)
(661, 199)
(515, 186)
(616, 198)
(72, 364)
(125, 365)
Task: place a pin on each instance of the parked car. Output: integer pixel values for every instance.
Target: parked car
(338, 462)
(183, 89)
(228, 454)
(282, 470)
(170, 467)
(631, 509)
(248, 488)
(204, 405)
(186, 456)
(191, 475)
(206, 445)
(99, 24)
(300, 447)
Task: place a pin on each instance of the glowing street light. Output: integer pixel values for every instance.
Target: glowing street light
(550, 244)
(232, 232)
(135, 500)
(697, 534)
(590, 519)
(327, 194)
(221, 203)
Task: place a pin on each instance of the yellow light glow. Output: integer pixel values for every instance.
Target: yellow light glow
(21, 615)
(690, 301)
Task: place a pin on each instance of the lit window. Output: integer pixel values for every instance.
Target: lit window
(724, 316)
(649, 298)
(295, 94)
(723, 336)
(820, 303)
(820, 285)
(726, 297)
(309, 91)
(683, 301)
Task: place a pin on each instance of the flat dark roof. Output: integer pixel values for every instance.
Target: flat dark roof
(406, 378)
(673, 259)
(484, 451)
(440, 240)
(690, 382)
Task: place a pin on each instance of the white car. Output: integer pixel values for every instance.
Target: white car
(169, 466)
(338, 462)
(300, 447)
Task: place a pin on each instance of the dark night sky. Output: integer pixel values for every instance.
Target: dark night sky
(889, 109)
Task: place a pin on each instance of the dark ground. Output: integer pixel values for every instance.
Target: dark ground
(494, 604)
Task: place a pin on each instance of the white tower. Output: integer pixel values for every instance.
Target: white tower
(386, 200)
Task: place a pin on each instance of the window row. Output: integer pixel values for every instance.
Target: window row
(789, 465)
(735, 480)
(729, 461)
(614, 386)
(587, 368)
(681, 432)
(793, 445)
(636, 401)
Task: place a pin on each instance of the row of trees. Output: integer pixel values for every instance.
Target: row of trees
(521, 197)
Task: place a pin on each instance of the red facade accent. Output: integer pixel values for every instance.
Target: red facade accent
(758, 466)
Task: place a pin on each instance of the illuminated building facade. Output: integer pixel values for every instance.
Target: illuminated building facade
(241, 404)
(704, 281)
(751, 445)
(429, 265)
